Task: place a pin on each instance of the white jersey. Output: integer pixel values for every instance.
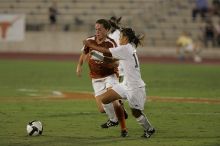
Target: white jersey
(115, 36)
(128, 58)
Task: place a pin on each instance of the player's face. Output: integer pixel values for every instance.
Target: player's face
(123, 40)
(100, 31)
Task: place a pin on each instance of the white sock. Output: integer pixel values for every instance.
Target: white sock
(110, 111)
(143, 121)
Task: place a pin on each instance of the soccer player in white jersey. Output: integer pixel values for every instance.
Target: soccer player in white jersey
(134, 90)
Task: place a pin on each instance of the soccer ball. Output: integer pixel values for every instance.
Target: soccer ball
(34, 128)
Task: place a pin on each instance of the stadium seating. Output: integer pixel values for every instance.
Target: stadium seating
(161, 20)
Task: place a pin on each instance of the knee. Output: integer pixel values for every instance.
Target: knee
(136, 113)
(105, 101)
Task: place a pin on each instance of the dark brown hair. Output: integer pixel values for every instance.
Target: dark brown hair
(114, 22)
(105, 23)
(132, 37)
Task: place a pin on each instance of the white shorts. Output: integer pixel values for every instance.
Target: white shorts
(100, 85)
(136, 97)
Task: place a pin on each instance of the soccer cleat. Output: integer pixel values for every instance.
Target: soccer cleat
(124, 133)
(109, 123)
(125, 112)
(148, 133)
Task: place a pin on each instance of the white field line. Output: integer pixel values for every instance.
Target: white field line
(61, 94)
(197, 113)
(27, 90)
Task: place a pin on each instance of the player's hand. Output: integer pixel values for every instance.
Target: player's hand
(79, 71)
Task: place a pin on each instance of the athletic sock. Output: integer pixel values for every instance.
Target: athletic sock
(143, 121)
(110, 111)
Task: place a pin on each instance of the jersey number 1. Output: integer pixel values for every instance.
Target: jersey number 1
(136, 61)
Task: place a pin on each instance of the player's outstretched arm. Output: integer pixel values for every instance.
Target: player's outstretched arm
(93, 46)
(110, 59)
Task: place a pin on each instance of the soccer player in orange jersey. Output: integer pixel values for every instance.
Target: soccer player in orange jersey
(103, 75)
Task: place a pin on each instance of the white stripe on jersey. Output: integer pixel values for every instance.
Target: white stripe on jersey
(115, 36)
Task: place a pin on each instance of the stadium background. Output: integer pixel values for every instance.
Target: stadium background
(161, 22)
(35, 84)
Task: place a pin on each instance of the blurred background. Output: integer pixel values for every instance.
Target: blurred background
(180, 61)
(59, 26)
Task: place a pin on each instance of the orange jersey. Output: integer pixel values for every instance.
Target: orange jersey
(98, 68)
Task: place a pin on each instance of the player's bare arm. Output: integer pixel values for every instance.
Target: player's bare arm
(110, 59)
(80, 64)
(93, 46)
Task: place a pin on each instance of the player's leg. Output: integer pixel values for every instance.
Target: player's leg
(112, 97)
(125, 111)
(122, 81)
(99, 104)
(136, 102)
(111, 81)
(99, 88)
(109, 110)
(121, 117)
(144, 122)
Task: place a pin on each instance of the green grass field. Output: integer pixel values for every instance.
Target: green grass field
(75, 122)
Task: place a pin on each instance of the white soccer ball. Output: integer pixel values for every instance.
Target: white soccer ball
(34, 128)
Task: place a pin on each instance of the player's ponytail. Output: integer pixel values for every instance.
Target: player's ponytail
(137, 40)
(132, 37)
(115, 23)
